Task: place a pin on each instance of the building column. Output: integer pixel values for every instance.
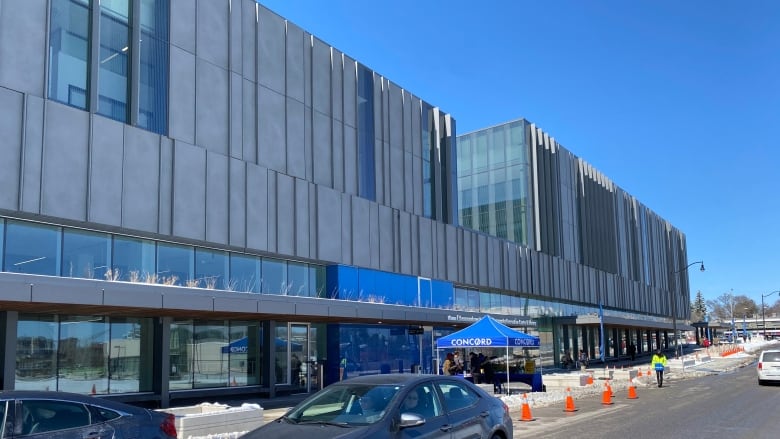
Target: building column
(269, 353)
(8, 325)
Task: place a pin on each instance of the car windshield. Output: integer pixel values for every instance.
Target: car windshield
(346, 404)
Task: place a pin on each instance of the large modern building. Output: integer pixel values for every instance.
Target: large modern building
(200, 198)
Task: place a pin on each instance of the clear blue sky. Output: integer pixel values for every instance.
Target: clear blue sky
(678, 102)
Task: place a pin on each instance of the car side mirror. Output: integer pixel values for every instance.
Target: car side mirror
(411, 420)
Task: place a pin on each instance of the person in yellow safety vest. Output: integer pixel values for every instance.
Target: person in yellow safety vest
(659, 364)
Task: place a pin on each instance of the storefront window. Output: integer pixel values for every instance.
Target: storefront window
(37, 338)
(83, 355)
(181, 351)
(209, 363)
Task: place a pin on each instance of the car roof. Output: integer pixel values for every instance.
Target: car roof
(68, 396)
(399, 379)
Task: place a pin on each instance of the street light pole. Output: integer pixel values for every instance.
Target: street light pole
(763, 317)
(674, 304)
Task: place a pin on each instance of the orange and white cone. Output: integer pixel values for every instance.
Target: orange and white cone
(590, 379)
(631, 390)
(525, 411)
(569, 401)
(606, 396)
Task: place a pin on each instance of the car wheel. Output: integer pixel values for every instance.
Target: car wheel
(496, 436)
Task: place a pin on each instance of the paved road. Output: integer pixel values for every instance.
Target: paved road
(729, 404)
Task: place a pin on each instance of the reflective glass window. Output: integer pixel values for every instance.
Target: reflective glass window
(174, 263)
(131, 355)
(32, 248)
(69, 52)
(133, 259)
(274, 280)
(209, 365)
(317, 280)
(85, 254)
(298, 279)
(428, 160)
(366, 164)
(181, 355)
(114, 59)
(244, 273)
(37, 337)
(244, 351)
(153, 80)
(282, 358)
(2, 241)
(211, 268)
(83, 355)
(366, 286)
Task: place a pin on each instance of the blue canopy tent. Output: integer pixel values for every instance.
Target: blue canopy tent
(488, 332)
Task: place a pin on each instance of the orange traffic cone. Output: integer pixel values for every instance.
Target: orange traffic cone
(648, 371)
(590, 379)
(611, 392)
(631, 390)
(525, 412)
(606, 397)
(569, 401)
(94, 390)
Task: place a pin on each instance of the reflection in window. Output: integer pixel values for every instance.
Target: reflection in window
(174, 264)
(85, 254)
(69, 52)
(209, 366)
(211, 268)
(298, 279)
(134, 259)
(281, 341)
(428, 149)
(130, 355)
(244, 351)
(366, 165)
(83, 355)
(153, 87)
(274, 276)
(36, 352)
(317, 280)
(32, 248)
(244, 273)
(181, 351)
(114, 56)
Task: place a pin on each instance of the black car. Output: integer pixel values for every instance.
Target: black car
(62, 415)
(394, 406)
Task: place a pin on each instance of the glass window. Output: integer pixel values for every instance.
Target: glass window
(211, 268)
(366, 164)
(181, 354)
(298, 280)
(131, 355)
(32, 248)
(174, 263)
(133, 259)
(2, 241)
(36, 352)
(317, 280)
(209, 365)
(69, 52)
(114, 63)
(244, 273)
(83, 355)
(153, 87)
(85, 254)
(282, 339)
(456, 395)
(274, 280)
(427, 160)
(51, 415)
(244, 351)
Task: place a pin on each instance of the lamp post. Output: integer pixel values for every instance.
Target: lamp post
(674, 304)
(763, 318)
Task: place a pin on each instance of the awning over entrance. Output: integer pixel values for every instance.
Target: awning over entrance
(593, 319)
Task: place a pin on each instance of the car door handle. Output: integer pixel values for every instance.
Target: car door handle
(446, 427)
(92, 435)
(484, 414)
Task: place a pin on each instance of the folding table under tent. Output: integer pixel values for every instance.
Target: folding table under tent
(488, 332)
